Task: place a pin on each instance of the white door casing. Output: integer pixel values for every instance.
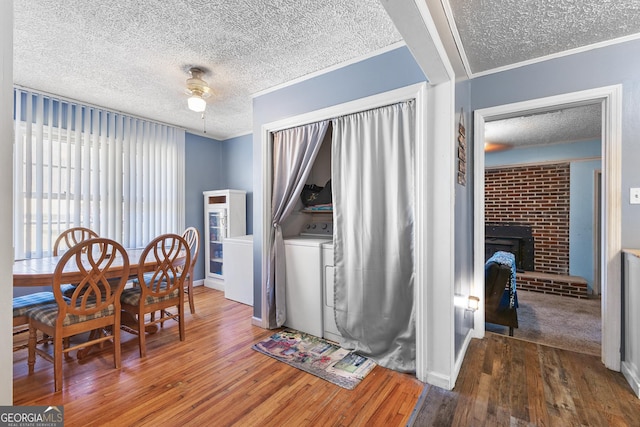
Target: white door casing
(611, 99)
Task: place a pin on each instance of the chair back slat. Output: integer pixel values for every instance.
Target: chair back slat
(103, 269)
(192, 236)
(71, 237)
(169, 253)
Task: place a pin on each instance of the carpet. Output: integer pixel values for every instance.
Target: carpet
(317, 356)
(557, 321)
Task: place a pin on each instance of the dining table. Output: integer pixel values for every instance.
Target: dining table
(39, 271)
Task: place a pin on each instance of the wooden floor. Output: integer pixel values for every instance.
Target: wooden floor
(213, 378)
(504, 381)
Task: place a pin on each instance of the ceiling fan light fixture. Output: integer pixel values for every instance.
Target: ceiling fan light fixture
(198, 90)
(197, 103)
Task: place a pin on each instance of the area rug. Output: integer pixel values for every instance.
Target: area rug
(317, 356)
(557, 321)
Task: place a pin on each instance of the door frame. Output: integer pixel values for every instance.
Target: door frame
(418, 92)
(611, 99)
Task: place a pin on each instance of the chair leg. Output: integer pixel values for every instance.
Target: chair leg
(115, 333)
(141, 335)
(33, 340)
(57, 363)
(192, 305)
(181, 320)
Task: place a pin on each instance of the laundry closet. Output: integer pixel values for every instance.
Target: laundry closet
(349, 263)
(308, 240)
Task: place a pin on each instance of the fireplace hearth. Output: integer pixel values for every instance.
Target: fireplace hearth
(514, 238)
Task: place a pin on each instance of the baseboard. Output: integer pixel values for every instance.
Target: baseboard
(439, 380)
(631, 374)
(214, 284)
(459, 360)
(257, 321)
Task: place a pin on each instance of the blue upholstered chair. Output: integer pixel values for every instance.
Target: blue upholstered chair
(21, 305)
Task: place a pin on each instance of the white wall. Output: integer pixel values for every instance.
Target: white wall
(6, 190)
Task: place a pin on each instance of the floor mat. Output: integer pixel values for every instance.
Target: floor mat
(317, 356)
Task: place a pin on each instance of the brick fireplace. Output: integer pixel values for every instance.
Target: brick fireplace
(537, 197)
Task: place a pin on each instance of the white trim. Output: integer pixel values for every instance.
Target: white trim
(631, 375)
(611, 98)
(439, 249)
(446, 6)
(564, 53)
(335, 67)
(417, 92)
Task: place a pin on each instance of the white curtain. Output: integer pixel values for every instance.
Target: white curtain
(373, 196)
(78, 165)
(294, 151)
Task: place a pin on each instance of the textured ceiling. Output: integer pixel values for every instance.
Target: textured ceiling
(559, 126)
(133, 56)
(499, 33)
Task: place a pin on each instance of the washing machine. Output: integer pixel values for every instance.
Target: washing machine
(304, 278)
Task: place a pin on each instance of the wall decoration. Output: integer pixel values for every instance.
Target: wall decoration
(462, 151)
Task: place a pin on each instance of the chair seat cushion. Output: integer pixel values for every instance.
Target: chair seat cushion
(67, 290)
(131, 296)
(149, 276)
(48, 315)
(22, 304)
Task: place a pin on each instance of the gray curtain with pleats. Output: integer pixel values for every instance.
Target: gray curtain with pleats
(373, 196)
(294, 151)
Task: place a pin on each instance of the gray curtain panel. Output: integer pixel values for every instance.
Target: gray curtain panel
(373, 196)
(294, 151)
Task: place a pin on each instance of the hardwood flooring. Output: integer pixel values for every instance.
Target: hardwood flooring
(213, 378)
(505, 381)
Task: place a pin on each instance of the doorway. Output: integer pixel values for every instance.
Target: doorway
(610, 97)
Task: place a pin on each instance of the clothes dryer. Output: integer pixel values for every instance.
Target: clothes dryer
(304, 281)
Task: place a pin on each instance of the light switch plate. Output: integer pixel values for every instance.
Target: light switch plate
(635, 196)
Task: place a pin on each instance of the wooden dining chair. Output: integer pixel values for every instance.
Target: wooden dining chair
(102, 267)
(67, 239)
(192, 236)
(71, 237)
(161, 289)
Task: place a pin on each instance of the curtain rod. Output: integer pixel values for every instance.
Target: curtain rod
(331, 118)
(86, 104)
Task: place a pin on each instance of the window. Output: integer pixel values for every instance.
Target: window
(77, 165)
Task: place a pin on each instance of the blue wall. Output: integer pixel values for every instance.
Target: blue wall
(584, 158)
(617, 64)
(203, 171)
(237, 172)
(382, 73)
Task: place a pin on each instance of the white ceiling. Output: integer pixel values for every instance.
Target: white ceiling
(133, 56)
(565, 125)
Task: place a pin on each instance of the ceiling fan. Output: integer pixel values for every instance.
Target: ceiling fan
(198, 90)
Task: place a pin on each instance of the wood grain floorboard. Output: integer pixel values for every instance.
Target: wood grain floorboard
(509, 382)
(213, 378)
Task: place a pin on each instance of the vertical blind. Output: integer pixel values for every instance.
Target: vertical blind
(78, 165)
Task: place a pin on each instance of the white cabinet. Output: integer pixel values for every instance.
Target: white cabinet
(224, 216)
(631, 318)
(238, 269)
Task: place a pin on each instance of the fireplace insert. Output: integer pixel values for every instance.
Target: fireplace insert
(514, 238)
